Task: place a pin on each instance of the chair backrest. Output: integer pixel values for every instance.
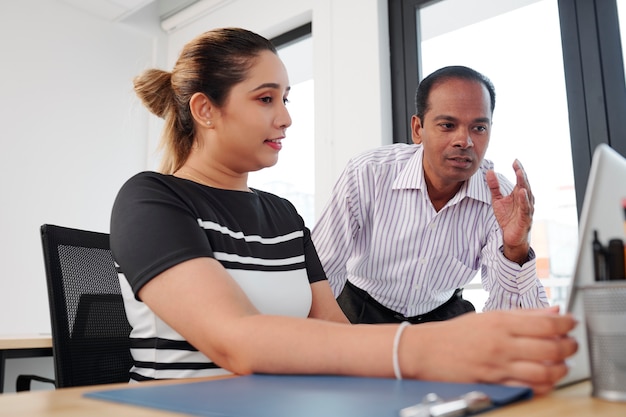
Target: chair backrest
(90, 331)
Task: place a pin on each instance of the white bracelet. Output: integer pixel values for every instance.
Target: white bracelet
(396, 344)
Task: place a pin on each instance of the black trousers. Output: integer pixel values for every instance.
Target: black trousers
(360, 307)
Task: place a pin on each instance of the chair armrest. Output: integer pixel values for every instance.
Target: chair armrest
(23, 381)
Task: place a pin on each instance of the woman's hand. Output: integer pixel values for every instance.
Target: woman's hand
(517, 347)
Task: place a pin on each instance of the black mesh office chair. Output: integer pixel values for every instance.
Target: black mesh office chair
(90, 331)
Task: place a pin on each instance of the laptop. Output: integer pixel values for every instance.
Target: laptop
(602, 212)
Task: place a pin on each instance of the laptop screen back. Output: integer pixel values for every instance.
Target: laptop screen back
(602, 212)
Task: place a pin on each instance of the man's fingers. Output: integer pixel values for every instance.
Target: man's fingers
(523, 201)
(493, 184)
(522, 179)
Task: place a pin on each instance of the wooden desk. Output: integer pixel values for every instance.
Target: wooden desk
(572, 401)
(22, 346)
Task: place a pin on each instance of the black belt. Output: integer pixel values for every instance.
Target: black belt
(360, 307)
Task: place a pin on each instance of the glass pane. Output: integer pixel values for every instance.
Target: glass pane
(621, 14)
(518, 46)
(293, 177)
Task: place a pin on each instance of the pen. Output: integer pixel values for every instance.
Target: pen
(599, 259)
(615, 264)
(624, 207)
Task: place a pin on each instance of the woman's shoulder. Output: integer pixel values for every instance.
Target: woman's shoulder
(150, 180)
(273, 199)
(148, 176)
(151, 185)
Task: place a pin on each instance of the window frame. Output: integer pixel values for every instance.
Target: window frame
(593, 67)
(293, 35)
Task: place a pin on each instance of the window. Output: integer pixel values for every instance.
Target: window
(520, 63)
(293, 177)
(621, 13)
(559, 94)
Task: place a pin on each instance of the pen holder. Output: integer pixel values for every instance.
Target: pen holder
(605, 318)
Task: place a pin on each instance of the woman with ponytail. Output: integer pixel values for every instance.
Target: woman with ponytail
(220, 277)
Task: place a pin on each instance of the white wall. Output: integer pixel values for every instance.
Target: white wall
(72, 130)
(350, 69)
(70, 133)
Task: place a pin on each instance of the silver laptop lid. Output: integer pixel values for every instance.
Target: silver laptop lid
(602, 212)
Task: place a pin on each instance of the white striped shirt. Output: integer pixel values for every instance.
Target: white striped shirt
(380, 231)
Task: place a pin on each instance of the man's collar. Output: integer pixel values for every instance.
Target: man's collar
(411, 177)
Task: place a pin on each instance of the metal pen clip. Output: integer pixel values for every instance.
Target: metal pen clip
(434, 406)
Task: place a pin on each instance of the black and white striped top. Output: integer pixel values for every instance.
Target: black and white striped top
(159, 221)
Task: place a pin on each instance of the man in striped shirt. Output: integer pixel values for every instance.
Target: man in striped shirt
(408, 225)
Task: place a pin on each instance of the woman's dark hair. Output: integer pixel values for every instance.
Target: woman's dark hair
(211, 64)
(424, 88)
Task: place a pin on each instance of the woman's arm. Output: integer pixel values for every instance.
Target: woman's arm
(200, 300)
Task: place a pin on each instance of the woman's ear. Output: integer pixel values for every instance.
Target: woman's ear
(201, 109)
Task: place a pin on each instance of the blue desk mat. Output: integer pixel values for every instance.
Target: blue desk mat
(299, 396)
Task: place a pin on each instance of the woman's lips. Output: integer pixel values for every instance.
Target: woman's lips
(275, 143)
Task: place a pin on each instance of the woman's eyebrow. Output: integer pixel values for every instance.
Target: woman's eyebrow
(269, 85)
